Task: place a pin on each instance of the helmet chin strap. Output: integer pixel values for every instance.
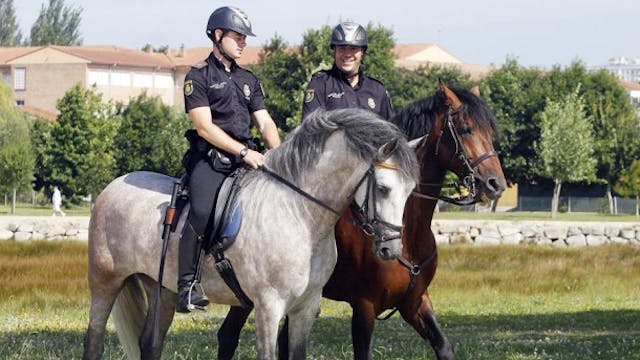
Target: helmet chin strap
(218, 45)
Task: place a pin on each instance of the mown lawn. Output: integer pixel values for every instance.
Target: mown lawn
(518, 302)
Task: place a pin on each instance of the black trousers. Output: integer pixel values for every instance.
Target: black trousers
(204, 185)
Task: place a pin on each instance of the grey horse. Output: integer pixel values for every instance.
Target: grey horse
(285, 250)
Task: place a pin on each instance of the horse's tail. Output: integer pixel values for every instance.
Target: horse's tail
(129, 312)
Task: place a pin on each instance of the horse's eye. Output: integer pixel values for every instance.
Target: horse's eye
(465, 131)
(383, 190)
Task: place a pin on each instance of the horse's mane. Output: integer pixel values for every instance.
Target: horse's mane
(417, 118)
(364, 132)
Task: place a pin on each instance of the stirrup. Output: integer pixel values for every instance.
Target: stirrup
(190, 306)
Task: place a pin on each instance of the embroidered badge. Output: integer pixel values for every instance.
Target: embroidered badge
(371, 103)
(336, 95)
(308, 96)
(246, 90)
(219, 85)
(188, 87)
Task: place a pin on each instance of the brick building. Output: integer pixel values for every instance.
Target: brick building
(41, 75)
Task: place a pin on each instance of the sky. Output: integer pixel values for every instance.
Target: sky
(536, 33)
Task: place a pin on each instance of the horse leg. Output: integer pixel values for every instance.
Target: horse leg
(283, 340)
(229, 332)
(362, 325)
(150, 349)
(300, 320)
(268, 313)
(102, 298)
(423, 320)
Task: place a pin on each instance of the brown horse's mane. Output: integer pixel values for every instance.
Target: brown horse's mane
(417, 118)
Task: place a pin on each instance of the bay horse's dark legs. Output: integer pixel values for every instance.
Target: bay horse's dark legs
(424, 322)
(283, 340)
(362, 324)
(229, 332)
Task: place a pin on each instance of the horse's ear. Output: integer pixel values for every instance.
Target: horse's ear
(451, 98)
(475, 91)
(386, 150)
(415, 143)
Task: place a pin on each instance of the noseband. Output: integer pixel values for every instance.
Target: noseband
(365, 216)
(468, 178)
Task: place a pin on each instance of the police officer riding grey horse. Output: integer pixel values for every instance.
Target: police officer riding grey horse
(222, 99)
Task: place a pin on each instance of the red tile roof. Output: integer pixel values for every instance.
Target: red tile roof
(105, 55)
(188, 57)
(41, 113)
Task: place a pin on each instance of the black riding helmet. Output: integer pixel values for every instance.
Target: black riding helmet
(349, 33)
(229, 18)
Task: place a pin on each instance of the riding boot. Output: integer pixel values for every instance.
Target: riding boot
(189, 255)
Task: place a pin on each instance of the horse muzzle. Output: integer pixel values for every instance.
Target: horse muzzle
(388, 244)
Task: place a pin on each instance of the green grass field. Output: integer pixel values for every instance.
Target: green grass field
(506, 302)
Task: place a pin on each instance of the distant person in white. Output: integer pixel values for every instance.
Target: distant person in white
(56, 199)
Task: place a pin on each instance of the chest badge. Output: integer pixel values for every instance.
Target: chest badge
(309, 95)
(246, 90)
(335, 95)
(371, 103)
(188, 87)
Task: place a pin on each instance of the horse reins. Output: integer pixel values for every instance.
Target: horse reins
(469, 180)
(365, 222)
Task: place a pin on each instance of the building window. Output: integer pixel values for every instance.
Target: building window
(20, 102)
(20, 79)
(6, 76)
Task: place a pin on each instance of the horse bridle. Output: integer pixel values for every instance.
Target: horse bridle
(366, 216)
(468, 179)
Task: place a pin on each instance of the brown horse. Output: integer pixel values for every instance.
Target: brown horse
(459, 129)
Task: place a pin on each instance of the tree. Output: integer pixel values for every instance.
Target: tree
(516, 95)
(566, 144)
(284, 78)
(150, 137)
(615, 127)
(78, 154)
(407, 86)
(17, 157)
(57, 24)
(10, 34)
(609, 108)
(629, 184)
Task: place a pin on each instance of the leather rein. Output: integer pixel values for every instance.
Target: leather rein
(365, 216)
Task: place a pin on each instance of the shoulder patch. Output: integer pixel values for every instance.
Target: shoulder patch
(200, 65)
(308, 95)
(188, 87)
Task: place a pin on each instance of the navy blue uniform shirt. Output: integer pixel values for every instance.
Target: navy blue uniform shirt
(330, 89)
(232, 96)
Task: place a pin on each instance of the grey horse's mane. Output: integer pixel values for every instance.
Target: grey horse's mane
(364, 132)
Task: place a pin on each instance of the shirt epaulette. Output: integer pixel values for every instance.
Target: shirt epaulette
(320, 73)
(376, 80)
(199, 65)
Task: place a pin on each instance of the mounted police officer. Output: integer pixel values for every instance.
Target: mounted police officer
(221, 99)
(345, 85)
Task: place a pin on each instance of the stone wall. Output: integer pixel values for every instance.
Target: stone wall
(478, 232)
(23, 228)
(536, 232)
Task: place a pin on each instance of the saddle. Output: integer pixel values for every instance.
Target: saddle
(227, 219)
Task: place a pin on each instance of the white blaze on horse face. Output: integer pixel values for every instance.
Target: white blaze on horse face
(391, 193)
